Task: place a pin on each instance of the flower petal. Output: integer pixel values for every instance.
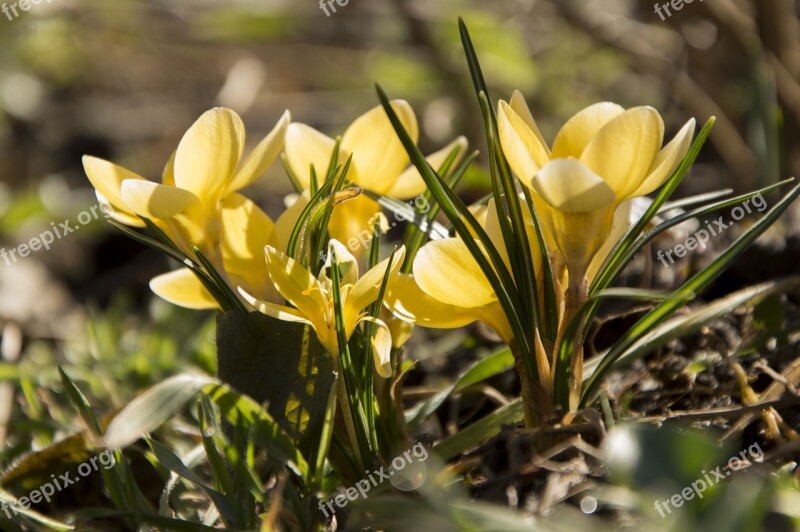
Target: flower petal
(668, 160)
(378, 155)
(623, 220)
(520, 106)
(568, 185)
(381, 347)
(579, 130)
(280, 312)
(261, 157)
(305, 147)
(298, 286)
(168, 175)
(182, 287)
(408, 302)
(350, 223)
(209, 153)
(410, 182)
(623, 151)
(344, 259)
(246, 229)
(285, 223)
(155, 201)
(522, 148)
(123, 216)
(367, 288)
(446, 270)
(107, 177)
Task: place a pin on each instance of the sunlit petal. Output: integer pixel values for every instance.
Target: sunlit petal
(408, 302)
(107, 177)
(282, 229)
(350, 223)
(520, 106)
(306, 147)
(446, 270)
(623, 151)
(378, 155)
(568, 185)
(522, 148)
(182, 287)
(209, 153)
(280, 312)
(297, 285)
(367, 288)
(668, 160)
(152, 200)
(579, 130)
(261, 157)
(246, 229)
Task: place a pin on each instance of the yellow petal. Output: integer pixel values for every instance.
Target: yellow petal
(446, 270)
(492, 227)
(623, 151)
(571, 187)
(668, 160)
(493, 316)
(208, 154)
(261, 157)
(401, 330)
(345, 260)
(520, 106)
(123, 216)
(367, 288)
(155, 201)
(579, 130)
(282, 229)
(410, 182)
(168, 175)
(182, 287)
(409, 303)
(521, 146)
(350, 223)
(580, 235)
(106, 177)
(280, 312)
(378, 155)
(622, 222)
(298, 286)
(381, 347)
(246, 229)
(306, 147)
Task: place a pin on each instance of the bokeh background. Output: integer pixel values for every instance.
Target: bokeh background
(123, 79)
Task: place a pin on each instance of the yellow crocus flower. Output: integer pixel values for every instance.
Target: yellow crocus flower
(312, 297)
(380, 164)
(448, 288)
(197, 203)
(602, 156)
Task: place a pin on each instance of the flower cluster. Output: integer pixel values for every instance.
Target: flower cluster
(581, 188)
